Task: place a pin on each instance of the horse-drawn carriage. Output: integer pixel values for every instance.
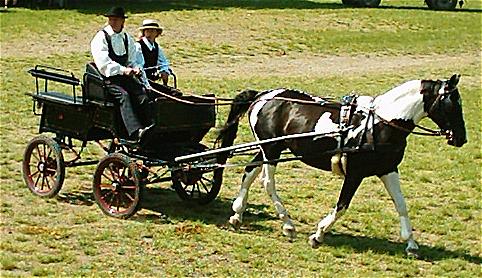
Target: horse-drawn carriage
(90, 115)
(363, 137)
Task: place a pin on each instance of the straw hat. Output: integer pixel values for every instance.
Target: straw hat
(150, 24)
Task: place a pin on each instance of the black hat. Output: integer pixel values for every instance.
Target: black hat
(116, 12)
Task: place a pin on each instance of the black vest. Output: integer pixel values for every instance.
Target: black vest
(122, 60)
(150, 59)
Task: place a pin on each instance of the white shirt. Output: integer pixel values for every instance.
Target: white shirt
(100, 52)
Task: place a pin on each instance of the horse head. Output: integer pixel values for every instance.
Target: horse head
(443, 104)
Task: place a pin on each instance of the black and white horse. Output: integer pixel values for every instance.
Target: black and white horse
(382, 123)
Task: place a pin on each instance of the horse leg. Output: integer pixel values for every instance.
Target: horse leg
(392, 184)
(269, 184)
(239, 205)
(350, 185)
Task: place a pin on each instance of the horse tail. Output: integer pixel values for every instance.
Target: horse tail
(228, 132)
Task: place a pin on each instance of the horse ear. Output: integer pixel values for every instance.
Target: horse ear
(454, 80)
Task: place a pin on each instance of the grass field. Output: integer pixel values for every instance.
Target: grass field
(225, 47)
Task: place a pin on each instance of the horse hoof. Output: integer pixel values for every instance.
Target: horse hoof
(290, 232)
(314, 243)
(235, 223)
(412, 253)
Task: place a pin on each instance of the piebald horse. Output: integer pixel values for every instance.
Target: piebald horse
(371, 143)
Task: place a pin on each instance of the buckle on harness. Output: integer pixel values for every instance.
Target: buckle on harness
(348, 106)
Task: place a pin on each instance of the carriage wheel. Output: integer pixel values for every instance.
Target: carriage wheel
(43, 167)
(362, 3)
(442, 4)
(116, 186)
(197, 186)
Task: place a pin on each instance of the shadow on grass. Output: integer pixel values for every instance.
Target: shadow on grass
(427, 253)
(165, 201)
(426, 8)
(162, 205)
(78, 198)
(99, 7)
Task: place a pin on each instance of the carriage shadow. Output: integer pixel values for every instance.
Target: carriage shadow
(164, 205)
(78, 198)
(362, 244)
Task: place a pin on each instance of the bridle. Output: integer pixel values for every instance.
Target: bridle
(437, 103)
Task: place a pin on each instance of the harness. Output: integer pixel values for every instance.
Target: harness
(121, 59)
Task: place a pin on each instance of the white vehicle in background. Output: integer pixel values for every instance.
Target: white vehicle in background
(432, 4)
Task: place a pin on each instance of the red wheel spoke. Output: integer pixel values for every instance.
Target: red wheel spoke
(40, 155)
(131, 187)
(35, 155)
(33, 174)
(45, 152)
(111, 200)
(129, 196)
(36, 182)
(111, 179)
(123, 172)
(53, 180)
(50, 152)
(113, 172)
(105, 186)
(47, 182)
(43, 182)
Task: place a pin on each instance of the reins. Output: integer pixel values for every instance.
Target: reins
(229, 101)
(429, 132)
(323, 101)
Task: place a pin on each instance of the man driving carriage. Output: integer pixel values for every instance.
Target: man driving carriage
(115, 56)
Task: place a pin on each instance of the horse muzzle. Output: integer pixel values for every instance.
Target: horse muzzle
(454, 140)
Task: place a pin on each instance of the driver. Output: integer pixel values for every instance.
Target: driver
(114, 54)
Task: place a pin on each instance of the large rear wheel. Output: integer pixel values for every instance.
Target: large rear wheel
(196, 186)
(441, 4)
(43, 167)
(116, 186)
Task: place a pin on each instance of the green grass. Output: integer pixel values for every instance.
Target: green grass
(69, 236)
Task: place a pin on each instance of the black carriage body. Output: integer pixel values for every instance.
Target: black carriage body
(180, 121)
(85, 122)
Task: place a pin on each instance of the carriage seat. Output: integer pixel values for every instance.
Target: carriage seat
(96, 90)
(58, 97)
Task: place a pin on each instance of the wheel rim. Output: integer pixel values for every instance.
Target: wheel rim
(116, 187)
(43, 167)
(200, 187)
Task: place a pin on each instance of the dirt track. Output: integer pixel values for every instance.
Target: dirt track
(280, 65)
(320, 66)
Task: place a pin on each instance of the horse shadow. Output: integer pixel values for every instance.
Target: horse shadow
(162, 206)
(362, 244)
